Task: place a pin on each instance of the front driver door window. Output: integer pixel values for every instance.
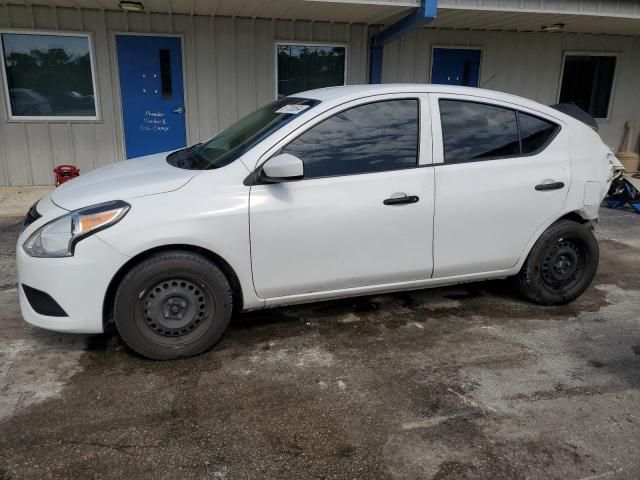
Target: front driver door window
(332, 230)
(370, 138)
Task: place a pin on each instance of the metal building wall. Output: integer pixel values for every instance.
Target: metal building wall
(526, 64)
(229, 68)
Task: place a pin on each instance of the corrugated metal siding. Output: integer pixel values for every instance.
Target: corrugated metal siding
(229, 65)
(627, 8)
(346, 11)
(508, 20)
(526, 64)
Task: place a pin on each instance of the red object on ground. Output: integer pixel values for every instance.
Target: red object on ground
(65, 173)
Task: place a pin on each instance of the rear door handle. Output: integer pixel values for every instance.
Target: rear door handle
(550, 186)
(401, 200)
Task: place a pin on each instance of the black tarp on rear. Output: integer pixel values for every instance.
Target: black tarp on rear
(576, 112)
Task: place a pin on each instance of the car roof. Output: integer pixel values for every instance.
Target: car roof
(348, 92)
(331, 93)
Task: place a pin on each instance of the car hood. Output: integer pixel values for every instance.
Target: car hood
(121, 181)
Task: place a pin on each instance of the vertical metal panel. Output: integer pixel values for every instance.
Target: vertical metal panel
(205, 119)
(40, 149)
(138, 22)
(357, 72)
(183, 25)
(105, 136)
(17, 154)
(226, 72)
(245, 70)
(61, 151)
(265, 66)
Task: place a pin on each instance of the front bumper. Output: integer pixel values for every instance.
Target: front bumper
(78, 284)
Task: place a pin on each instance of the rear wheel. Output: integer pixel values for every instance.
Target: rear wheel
(173, 304)
(561, 264)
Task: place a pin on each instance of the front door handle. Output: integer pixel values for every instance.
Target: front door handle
(549, 186)
(401, 199)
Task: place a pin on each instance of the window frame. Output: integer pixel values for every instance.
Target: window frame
(568, 53)
(424, 139)
(547, 142)
(418, 140)
(279, 43)
(51, 118)
(438, 132)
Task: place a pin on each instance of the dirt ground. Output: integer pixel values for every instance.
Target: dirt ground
(468, 382)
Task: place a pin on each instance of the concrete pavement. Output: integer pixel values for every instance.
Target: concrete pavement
(467, 382)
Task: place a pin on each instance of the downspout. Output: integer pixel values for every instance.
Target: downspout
(425, 13)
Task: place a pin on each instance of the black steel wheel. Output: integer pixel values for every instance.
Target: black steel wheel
(173, 304)
(561, 264)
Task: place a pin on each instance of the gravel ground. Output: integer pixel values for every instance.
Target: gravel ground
(466, 382)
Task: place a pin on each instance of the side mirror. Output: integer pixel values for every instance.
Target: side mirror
(282, 168)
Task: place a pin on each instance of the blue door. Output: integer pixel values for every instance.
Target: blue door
(456, 66)
(152, 94)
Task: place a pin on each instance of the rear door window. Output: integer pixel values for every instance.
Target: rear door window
(477, 131)
(473, 131)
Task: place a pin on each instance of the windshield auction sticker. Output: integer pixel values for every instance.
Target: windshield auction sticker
(292, 109)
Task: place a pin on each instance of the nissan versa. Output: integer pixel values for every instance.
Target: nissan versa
(329, 193)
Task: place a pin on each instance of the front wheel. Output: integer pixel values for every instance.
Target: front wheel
(561, 264)
(173, 304)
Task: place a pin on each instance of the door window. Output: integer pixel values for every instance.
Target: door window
(368, 138)
(474, 131)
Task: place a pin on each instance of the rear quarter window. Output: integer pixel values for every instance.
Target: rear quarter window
(535, 133)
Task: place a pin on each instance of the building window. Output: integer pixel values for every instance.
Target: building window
(49, 76)
(587, 81)
(303, 67)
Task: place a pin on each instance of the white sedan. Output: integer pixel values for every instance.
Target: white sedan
(329, 193)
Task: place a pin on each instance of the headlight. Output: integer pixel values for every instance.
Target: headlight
(59, 237)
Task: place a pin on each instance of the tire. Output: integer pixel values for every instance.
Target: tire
(561, 264)
(173, 304)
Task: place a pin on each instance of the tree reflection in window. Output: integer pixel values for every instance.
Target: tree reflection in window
(305, 67)
(368, 138)
(49, 75)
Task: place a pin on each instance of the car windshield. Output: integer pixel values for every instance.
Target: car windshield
(234, 141)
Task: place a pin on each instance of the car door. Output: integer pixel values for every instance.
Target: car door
(501, 173)
(363, 213)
